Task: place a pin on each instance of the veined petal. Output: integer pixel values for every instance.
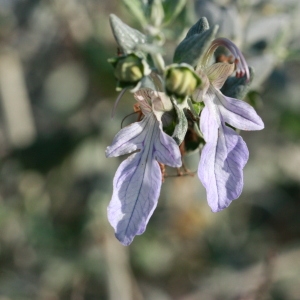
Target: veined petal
(218, 73)
(240, 62)
(137, 186)
(208, 125)
(128, 139)
(237, 113)
(143, 96)
(209, 128)
(138, 180)
(199, 93)
(160, 102)
(221, 167)
(166, 150)
(209, 101)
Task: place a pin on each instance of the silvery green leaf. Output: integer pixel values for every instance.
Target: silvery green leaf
(126, 37)
(137, 8)
(237, 87)
(181, 127)
(172, 9)
(193, 47)
(156, 13)
(198, 28)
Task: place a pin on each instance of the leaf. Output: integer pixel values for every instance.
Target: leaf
(155, 13)
(182, 125)
(195, 108)
(172, 9)
(237, 87)
(191, 49)
(127, 38)
(198, 28)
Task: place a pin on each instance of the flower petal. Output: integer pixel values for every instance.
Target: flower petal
(137, 186)
(240, 62)
(143, 96)
(200, 92)
(221, 165)
(208, 124)
(167, 151)
(214, 113)
(160, 102)
(238, 113)
(138, 180)
(218, 73)
(128, 139)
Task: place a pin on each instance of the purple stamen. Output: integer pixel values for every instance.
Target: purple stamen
(240, 62)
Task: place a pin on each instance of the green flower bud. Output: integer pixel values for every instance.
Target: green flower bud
(181, 80)
(129, 70)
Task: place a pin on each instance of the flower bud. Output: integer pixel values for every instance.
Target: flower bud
(181, 80)
(129, 70)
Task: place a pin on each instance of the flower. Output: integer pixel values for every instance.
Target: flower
(225, 152)
(137, 182)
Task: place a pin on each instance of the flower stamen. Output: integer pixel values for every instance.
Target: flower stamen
(239, 60)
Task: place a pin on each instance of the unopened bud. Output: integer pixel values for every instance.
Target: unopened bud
(181, 80)
(129, 69)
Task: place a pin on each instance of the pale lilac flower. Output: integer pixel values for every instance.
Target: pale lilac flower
(137, 182)
(225, 152)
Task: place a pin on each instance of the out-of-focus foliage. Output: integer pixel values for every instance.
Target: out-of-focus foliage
(57, 92)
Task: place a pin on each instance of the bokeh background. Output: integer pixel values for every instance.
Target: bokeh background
(56, 93)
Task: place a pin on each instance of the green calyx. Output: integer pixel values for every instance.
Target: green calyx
(129, 69)
(181, 80)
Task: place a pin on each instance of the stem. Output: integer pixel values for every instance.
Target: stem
(159, 62)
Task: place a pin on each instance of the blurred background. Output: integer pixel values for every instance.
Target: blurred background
(56, 93)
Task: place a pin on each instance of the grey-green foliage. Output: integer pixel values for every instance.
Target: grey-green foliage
(198, 28)
(182, 125)
(127, 38)
(237, 87)
(195, 44)
(155, 12)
